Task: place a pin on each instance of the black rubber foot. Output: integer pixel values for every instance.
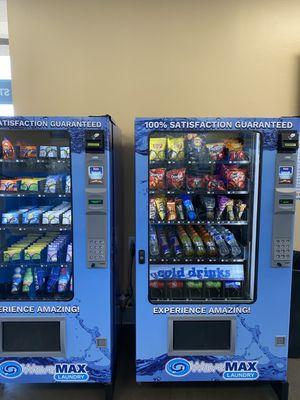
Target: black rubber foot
(281, 389)
(109, 391)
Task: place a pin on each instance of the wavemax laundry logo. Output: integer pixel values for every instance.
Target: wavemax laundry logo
(11, 369)
(178, 367)
(243, 370)
(70, 373)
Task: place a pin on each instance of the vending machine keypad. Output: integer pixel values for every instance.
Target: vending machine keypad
(284, 199)
(96, 199)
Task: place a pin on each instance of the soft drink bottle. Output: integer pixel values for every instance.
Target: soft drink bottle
(220, 242)
(211, 248)
(154, 249)
(199, 246)
(231, 241)
(185, 241)
(174, 243)
(163, 243)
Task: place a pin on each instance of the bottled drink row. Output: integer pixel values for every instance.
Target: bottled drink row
(201, 208)
(192, 290)
(196, 147)
(18, 150)
(171, 244)
(36, 281)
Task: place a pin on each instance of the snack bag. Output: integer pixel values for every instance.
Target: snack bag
(64, 152)
(189, 207)
(161, 207)
(195, 182)
(176, 148)
(229, 208)
(239, 208)
(214, 183)
(8, 151)
(171, 210)
(157, 149)
(209, 204)
(222, 203)
(157, 178)
(235, 177)
(235, 150)
(28, 151)
(176, 178)
(152, 209)
(216, 151)
(179, 208)
(196, 149)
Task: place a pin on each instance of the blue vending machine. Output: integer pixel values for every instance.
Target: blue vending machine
(56, 238)
(215, 208)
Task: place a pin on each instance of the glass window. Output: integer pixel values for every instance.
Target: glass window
(202, 216)
(36, 216)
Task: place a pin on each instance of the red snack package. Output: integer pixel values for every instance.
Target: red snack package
(176, 178)
(214, 183)
(157, 178)
(235, 177)
(237, 155)
(195, 182)
(216, 151)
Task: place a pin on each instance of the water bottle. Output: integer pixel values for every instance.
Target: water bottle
(154, 249)
(220, 242)
(231, 241)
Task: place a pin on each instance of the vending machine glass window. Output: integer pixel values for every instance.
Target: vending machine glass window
(203, 188)
(36, 216)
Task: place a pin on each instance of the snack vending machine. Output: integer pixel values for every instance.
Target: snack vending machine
(215, 208)
(56, 236)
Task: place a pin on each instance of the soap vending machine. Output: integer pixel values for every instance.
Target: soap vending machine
(56, 238)
(215, 206)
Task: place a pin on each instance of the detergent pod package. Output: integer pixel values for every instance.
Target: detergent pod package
(157, 148)
(53, 184)
(69, 255)
(32, 184)
(67, 218)
(64, 152)
(27, 280)
(48, 152)
(8, 150)
(175, 148)
(26, 151)
(157, 178)
(33, 216)
(39, 279)
(176, 178)
(54, 216)
(13, 217)
(196, 148)
(55, 248)
(17, 279)
(53, 279)
(9, 185)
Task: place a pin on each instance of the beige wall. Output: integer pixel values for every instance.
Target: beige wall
(155, 58)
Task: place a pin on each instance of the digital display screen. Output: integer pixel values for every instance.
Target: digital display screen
(95, 202)
(286, 201)
(93, 144)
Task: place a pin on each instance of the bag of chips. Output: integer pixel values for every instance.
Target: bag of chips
(176, 178)
(176, 148)
(157, 178)
(157, 149)
(235, 150)
(216, 151)
(196, 148)
(195, 182)
(236, 177)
